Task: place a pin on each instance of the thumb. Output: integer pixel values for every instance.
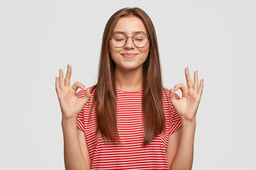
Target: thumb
(88, 92)
(87, 95)
(172, 94)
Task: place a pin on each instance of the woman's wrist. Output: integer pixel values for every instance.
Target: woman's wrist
(68, 116)
(68, 121)
(189, 123)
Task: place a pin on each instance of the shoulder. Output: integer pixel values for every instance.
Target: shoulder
(166, 100)
(165, 91)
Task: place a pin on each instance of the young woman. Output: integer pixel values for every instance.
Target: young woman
(128, 120)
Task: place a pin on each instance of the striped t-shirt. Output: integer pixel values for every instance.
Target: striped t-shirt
(130, 152)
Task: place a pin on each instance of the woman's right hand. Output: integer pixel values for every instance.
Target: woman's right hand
(70, 103)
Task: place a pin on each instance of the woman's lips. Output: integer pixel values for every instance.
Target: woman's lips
(128, 55)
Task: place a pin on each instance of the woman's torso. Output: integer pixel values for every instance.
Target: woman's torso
(129, 153)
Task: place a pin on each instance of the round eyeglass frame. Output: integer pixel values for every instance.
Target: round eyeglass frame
(126, 38)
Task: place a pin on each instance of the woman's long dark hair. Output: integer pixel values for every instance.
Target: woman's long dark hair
(105, 92)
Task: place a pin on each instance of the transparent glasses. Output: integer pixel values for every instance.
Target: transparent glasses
(119, 40)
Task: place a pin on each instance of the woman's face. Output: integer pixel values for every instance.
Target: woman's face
(132, 53)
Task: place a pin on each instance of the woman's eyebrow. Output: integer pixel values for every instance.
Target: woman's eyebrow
(119, 32)
(122, 32)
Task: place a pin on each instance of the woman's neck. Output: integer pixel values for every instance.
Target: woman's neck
(129, 80)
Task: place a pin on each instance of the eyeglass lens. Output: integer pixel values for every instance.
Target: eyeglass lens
(119, 40)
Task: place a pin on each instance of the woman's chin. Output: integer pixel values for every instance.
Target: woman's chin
(129, 67)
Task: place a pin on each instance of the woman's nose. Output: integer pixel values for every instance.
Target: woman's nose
(129, 43)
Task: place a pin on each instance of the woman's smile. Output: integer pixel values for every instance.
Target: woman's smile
(129, 55)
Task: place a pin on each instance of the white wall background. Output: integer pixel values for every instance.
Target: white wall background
(215, 37)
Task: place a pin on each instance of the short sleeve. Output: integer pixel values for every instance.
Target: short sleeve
(174, 121)
(80, 117)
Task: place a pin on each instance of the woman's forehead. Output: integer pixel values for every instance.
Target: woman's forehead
(129, 25)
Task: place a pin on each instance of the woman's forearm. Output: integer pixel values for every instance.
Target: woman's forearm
(184, 157)
(73, 156)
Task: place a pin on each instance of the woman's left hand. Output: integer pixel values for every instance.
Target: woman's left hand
(188, 104)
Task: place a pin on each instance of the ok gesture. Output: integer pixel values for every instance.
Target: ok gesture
(70, 103)
(188, 104)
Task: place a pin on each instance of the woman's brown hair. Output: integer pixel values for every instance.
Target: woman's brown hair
(105, 92)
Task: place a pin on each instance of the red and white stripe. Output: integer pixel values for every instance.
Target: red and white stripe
(130, 152)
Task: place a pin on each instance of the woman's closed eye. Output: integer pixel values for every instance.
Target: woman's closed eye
(119, 39)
